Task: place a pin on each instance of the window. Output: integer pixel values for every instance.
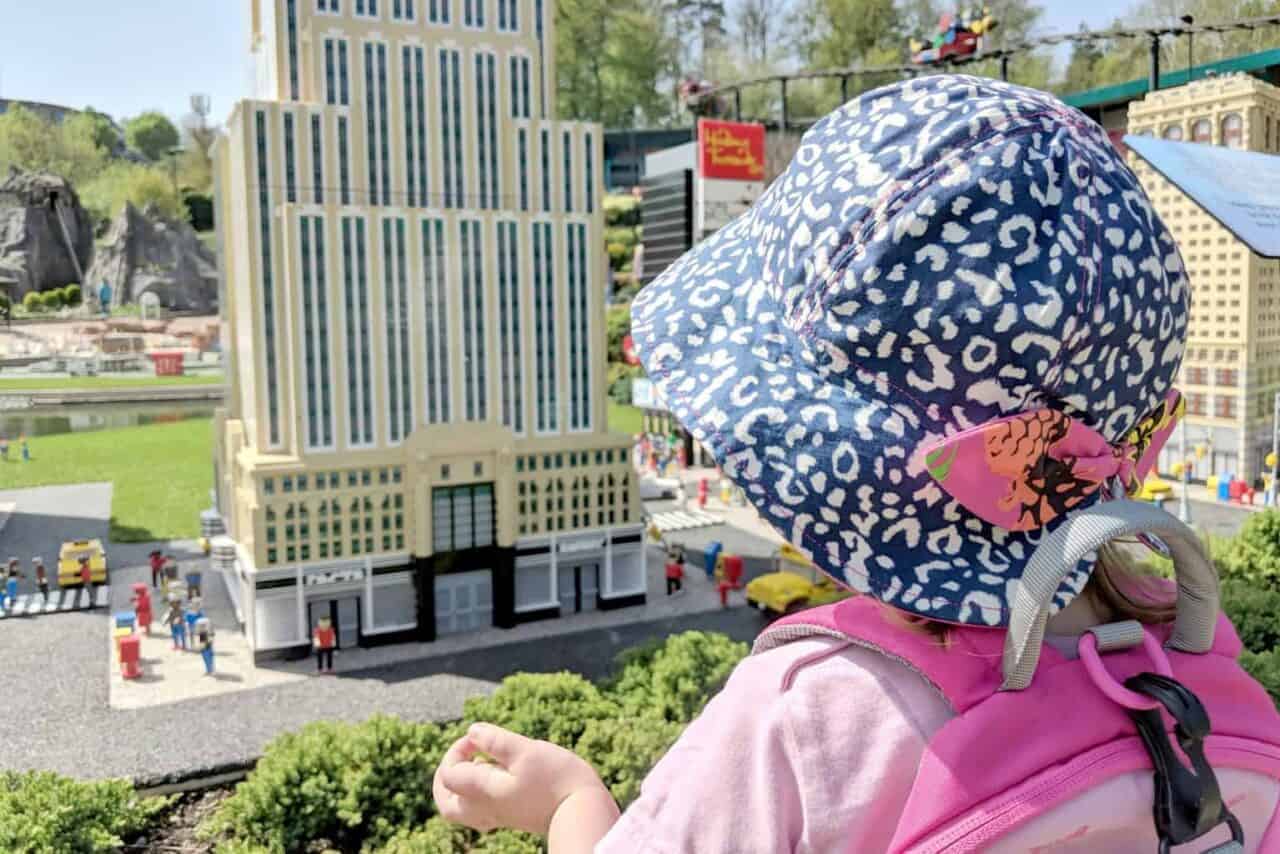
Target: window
(438, 11)
(359, 359)
(268, 283)
(1233, 130)
(344, 162)
(473, 14)
(396, 313)
(542, 59)
(415, 125)
(317, 161)
(268, 486)
(291, 21)
(510, 330)
(1172, 132)
(486, 129)
(402, 10)
(544, 329)
(589, 177)
(367, 8)
(451, 127)
(507, 20)
(436, 338)
(579, 363)
(1228, 377)
(535, 588)
(444, 472)
(376, 121)
(462, 517)
(1224, 406)
(315, 322)
(290, 160)
(546, 170)
(330, 6)
(473, 359)
(567, 177)
(1202, 131)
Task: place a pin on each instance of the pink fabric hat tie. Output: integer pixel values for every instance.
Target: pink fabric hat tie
(1022, 471)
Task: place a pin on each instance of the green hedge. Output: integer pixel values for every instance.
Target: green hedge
(367, 787)
(43, 812)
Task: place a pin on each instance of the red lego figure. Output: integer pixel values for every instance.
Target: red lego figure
(324, 639)
(86, 578)
(723, 587)
(157, 568)
(733, 570)
(675, 572)
(142, 606)
(704, 489)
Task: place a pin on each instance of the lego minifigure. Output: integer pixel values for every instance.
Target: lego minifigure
(86, 578)
(193, 584)
(4, 448)
(26, 449)
(202, 639)
(192, 615)
(142, 606)
(675, 571)
(324, 639)
(42, 578)
(177, 626)
(11, 576)
(157, 567)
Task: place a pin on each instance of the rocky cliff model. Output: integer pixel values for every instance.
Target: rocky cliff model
(146, 253)
(46, 237)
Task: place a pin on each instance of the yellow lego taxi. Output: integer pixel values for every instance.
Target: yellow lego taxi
(1155, 489)
(69, 562)
(785, 591)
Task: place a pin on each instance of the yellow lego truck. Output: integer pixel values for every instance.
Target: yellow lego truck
(69, 562)
(785, 591)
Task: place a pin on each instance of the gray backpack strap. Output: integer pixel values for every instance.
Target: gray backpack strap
(1083, 532)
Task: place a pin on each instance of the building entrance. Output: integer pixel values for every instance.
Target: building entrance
(579, 587)
(343, 612)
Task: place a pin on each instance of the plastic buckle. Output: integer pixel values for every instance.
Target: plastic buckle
(1188, 801)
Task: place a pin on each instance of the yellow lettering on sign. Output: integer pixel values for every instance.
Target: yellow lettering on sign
(725, 149)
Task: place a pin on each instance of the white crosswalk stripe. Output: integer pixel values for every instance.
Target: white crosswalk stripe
(682, 520)
(69, 599)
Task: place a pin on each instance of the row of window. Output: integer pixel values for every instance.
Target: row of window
(454, 153)
(1231, 128)
(328, 528)
(1224, 406)
(315, 324)
(572, 459)
(551, 506)
(319, 481)
(474, 12)
(1226, 377)
(267, 284)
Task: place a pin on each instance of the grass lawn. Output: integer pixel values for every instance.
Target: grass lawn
(624, 418)
(98, 382)
(161, 474)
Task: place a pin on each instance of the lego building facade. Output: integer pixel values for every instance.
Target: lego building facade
(415, 440)
(1231, 371)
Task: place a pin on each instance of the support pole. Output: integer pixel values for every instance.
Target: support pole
(737, 105)
(844, 88)
(783, 81)
(1153, 76)
(1004, 67)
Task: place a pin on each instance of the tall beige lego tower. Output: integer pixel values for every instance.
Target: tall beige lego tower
(1231, 372)
(415, 438)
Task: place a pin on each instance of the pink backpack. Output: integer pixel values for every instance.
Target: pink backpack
(1064, 762)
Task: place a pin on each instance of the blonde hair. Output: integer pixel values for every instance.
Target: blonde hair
(1118, 589)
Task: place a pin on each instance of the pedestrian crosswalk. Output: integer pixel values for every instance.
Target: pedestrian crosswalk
(63, 599)
(682, 520)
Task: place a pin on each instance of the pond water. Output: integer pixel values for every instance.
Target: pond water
(81, 418)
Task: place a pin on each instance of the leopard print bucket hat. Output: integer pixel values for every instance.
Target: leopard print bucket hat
(954, 318)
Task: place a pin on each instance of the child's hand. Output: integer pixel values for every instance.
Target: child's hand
(521, 786)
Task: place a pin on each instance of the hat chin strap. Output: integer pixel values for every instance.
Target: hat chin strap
(1083, 532)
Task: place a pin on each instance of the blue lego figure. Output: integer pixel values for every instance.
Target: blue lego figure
(104, 298)
(9, 592)
(713, 555)
(26, 449)
(202, 639)
(177, 626)
(194, 613)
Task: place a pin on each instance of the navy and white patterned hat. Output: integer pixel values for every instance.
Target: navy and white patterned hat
(941, 253)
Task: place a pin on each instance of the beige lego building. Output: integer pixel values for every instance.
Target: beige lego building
(415, 438)
(1231, 371)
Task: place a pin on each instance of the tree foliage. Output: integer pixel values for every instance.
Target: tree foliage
(41, 811)
(152, 135)
(105, 195)
(31, 143)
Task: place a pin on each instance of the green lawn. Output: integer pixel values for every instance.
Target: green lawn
(624, 418)
(161, 474)
(102, 382)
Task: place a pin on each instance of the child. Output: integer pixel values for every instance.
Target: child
(942, 338)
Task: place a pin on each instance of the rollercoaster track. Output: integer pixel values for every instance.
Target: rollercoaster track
(1152, 33)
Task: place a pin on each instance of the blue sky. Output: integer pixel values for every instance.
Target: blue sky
(127, 56)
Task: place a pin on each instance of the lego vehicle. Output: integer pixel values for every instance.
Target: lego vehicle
(955, 37)
(785, 590)
(1155, 489)
(69, 562)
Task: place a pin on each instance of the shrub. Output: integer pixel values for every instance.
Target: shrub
(555, 707)
(1254, 553)
(619, 254)
(346, 784)
(33, 302)
(1265, 667)
(436, 837)
(617, 327)
(41, 811)
(622, 750)
(620, 376)
(673, 682)
(71, 296)
(621, 210)
(51, 300)
(106, 194)
(1255, 612)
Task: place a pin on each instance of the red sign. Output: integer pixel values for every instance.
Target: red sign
(731, 151)
(629, 350)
